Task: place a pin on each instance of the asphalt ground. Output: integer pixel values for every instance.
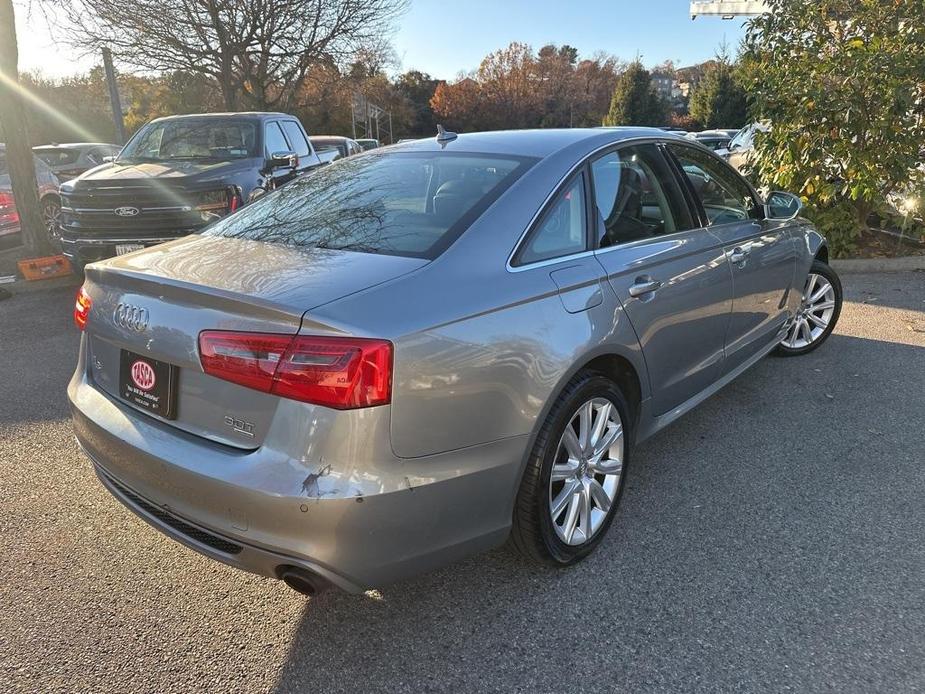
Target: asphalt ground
(772, 540)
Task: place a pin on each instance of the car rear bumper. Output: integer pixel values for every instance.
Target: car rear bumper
(372, 525)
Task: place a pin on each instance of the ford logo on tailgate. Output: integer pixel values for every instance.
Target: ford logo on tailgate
(131, 317)
(127, 211)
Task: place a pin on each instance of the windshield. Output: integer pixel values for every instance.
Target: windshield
(396, 203)
(192, 138)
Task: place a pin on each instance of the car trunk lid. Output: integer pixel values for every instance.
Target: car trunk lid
(156, 302)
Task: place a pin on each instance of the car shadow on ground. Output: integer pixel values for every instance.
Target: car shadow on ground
(757, 547)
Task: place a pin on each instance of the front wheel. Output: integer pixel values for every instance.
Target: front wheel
(820, 306)
(574, 478)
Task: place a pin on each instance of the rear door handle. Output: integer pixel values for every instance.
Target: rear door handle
(644, 285)
(738, 256)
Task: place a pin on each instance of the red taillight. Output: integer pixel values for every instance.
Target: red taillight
(82, 308)
(339, 372)
(8, 213)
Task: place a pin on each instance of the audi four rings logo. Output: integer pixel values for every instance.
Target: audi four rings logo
(127, 211)
(131, 317)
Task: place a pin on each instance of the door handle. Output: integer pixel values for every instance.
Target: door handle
(738, 256)
(644, 285)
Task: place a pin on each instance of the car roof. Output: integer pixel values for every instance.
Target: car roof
(328, 138)
(243, 115)
(534, 143)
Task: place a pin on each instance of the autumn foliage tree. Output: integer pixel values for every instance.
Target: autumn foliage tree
(516, 87)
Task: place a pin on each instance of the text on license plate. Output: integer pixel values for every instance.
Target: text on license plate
(123, 248)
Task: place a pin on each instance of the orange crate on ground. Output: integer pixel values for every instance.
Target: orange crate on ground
(45, 268)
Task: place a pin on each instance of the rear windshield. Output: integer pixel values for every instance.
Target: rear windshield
(218, 139)
(58, 156)
(396, 203)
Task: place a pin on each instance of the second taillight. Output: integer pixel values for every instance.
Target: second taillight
(339, 372)
(8, 213)
(82, 308)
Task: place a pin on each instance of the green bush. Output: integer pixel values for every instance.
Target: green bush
(840, 82)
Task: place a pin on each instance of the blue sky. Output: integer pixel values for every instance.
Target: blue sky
(444, 37)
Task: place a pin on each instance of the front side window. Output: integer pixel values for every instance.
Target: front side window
(725, 196)
(217, 139)
(562, 229)
(274, 141)
(396, 203)
(296, 138)
(636, 196)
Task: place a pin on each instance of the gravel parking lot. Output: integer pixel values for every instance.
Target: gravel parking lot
(772, 540)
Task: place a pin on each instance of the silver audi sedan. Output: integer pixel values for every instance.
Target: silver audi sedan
(423, 351)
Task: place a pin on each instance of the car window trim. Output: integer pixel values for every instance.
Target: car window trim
(308, 143)
(690, 195)
(684, 199)
(510, 267)
(724, 164)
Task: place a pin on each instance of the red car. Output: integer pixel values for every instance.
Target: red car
(10, 234)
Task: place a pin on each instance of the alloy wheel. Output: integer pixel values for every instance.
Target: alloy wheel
(51, 212)
(587, 471)
(814, 314)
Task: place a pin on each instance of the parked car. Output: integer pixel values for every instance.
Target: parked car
(741, 146)
(10, 232)
(368, 143)
(712, 139)
(344, 146)
(72, 159)
(410, 356)
(177, 175)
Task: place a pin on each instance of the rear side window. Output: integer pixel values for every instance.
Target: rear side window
(58, 157)
(296, 138)
(637, 196)
(562, 229)
(274, 141)
(725, 196)
(396, 203)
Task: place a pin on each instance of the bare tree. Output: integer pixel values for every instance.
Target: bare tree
(18, 148)
(258, 51)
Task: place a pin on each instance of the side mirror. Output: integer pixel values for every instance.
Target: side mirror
(110, 159)
(782, 206)
(284, 160)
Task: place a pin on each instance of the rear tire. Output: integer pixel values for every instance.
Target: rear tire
(819, 310)
(573, 483)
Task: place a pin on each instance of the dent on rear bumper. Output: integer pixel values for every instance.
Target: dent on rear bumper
(344, 505)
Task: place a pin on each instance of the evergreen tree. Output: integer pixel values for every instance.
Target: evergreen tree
(635, 101)
(719, 100)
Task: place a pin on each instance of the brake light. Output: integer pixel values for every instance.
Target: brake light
(8, 213)
(82, 308)
(340, 372)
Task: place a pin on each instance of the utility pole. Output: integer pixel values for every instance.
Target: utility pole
(114, 95)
